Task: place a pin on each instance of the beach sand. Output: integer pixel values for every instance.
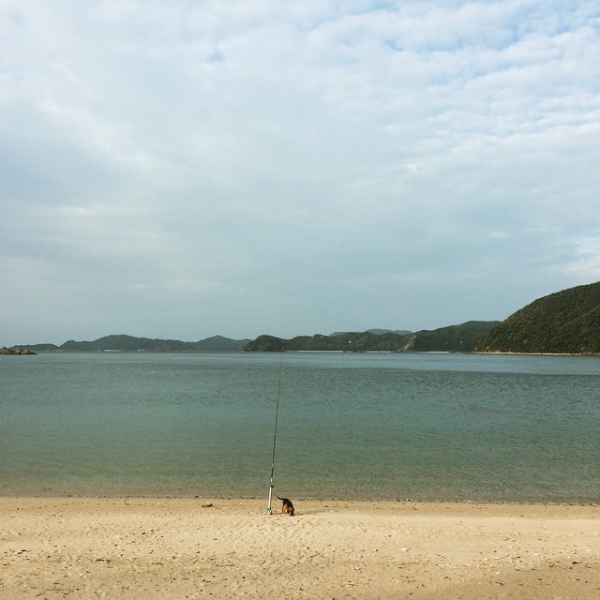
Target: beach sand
(146, 548)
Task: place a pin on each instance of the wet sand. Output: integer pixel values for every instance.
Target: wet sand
(143, 548)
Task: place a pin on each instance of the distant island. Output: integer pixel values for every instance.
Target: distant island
(128, 343)
(22, 351)
(566, 322)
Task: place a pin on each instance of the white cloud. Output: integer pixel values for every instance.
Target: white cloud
(584, 264)
(259, 160)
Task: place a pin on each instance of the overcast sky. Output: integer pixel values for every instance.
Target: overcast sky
(181, 169)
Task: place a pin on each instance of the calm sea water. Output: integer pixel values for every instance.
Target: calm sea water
(367, 426)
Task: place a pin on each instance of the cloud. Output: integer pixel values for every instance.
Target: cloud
(184, 169)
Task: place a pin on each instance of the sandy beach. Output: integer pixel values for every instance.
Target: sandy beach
(134, 548)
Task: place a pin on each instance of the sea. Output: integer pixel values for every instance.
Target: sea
(421, 427)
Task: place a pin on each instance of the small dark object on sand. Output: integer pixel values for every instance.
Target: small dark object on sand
(287, 508)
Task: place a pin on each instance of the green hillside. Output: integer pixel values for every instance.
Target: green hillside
(456, 338)
(127, 343)
(566, 322)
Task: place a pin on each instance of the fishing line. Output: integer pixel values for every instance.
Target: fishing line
(269, 509)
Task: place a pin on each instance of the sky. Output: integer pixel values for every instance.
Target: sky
(188, 168)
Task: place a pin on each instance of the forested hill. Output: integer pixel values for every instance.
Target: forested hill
(128, 343)
(566, 322)
(455, 338)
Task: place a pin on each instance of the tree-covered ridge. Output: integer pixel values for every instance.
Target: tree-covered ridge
(128, 343)
(456, 338)
(566, 322)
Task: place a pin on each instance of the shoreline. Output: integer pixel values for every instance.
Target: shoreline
(132, 548)
(380, 500)
(227, 498)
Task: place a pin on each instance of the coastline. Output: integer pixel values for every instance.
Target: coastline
(135, 548)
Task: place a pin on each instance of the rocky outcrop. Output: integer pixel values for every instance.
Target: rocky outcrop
(20, 351)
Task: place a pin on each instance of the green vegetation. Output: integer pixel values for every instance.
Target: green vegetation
(456, 338)
(128, 343)
(566, 322)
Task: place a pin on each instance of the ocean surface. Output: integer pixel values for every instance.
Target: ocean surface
(350, 426)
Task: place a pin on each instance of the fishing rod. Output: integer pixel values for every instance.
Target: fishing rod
(269, 509)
